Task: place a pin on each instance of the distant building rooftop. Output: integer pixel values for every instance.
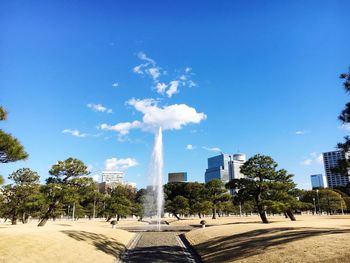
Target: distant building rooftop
(177, 177)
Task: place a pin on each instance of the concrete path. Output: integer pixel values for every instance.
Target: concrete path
(158, 247)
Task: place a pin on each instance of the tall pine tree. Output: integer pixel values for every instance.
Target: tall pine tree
(344, 165)
(11, 149)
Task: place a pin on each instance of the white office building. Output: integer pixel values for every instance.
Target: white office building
(318, 181)
(112, 177)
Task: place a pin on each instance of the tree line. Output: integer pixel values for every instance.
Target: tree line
(69, 192)
(263, 190)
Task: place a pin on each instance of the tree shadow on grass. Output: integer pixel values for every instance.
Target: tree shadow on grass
(103, 243)
(244, 245)
(243, 223)
(232, 223)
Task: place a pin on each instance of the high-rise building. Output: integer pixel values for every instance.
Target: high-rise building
(224, 167)
(318, 181)
(112, 177)
(177, 177)
(330, 160)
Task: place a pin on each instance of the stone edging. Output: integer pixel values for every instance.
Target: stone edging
(131, 244)
(194, 256)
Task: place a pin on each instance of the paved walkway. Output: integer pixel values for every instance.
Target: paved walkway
(158, 247)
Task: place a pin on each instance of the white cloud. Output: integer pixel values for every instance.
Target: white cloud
(99, 108)
(313, 159)
(213, 149)
(192, 84)
(115, 84)
(74, 132)
(138, 69)
(173, 89)
(168, 117)
(319, 159)
(190, 147)
(301, 132)
(150, 68)
(183, 77)
(122, 128)
(115, 164)
(143, 56)
(154, 73)
(172, 117)
(160, 87)
(307, 162)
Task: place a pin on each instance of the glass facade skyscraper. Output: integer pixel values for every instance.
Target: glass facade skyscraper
(318, 181)
(224, 167)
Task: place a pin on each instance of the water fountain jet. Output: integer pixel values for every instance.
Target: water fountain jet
(154, 204)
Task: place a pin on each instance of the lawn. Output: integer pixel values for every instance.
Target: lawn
(62, 241)
(226, 239)
(309, 239)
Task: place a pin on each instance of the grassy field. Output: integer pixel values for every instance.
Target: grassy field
(62, 241)
(227, 239)
(309, 239)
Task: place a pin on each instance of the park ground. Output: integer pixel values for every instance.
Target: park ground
(309, 239)
(226, 239)
(62, 241)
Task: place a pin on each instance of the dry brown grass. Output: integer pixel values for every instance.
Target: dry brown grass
(62, 241)
(310, 239)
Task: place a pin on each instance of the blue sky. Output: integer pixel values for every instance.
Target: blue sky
(247, 76)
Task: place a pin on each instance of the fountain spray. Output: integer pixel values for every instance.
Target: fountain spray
(155, 199)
